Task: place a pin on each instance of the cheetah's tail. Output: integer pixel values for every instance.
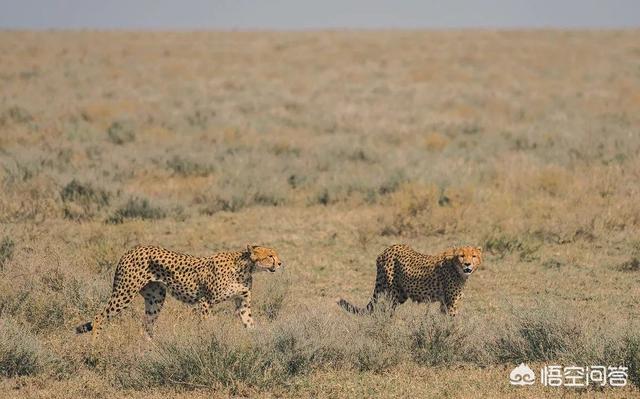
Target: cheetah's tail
(344, 304)
(86, 327)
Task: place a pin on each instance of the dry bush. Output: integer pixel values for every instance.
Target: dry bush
(136, 208)
(48, 301)
(272, 303)
(270, 357)
(82, 201)
(501, 245)
(438, 340)
(297, 344)
(542, 335)
(121, 132)
(21, 353)
(7, 247)
(186, 167)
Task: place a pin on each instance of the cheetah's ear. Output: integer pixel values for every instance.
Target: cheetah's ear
(450, 254)
(252, 253)
(479, 249)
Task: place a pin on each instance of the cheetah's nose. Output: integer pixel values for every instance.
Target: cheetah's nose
(467, 263)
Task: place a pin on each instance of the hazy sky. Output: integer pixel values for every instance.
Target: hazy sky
(292, 14)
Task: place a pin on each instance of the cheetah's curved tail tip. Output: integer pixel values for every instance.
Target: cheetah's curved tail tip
(344, 304)
(86, 327)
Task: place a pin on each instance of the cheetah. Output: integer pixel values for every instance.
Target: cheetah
(205, 281)
(404, 273)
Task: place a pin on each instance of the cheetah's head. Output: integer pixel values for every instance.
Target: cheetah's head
(467, 260)
(264, 259)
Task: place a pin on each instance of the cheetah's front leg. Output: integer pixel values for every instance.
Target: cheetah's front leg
(450, 304)
(243, 309)
(203, 309)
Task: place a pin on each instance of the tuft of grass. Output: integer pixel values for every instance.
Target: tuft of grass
(552, 264)
(15, 114)
(438, 340)
(120, 133)
(271, 357)
(196, 362)
(20, 352)
(271, 305)
(200, 118)
(630, 355)
(537, 336)
(82, 201)
(185, 167)
(136, 208)
(50, 300)
(7, 247)
(632, 265)
(502, 245)
(609, 346)
(230, 202)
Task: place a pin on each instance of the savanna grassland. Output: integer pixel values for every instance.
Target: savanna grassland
(328, 146)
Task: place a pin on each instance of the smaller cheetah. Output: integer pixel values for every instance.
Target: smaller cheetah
(152, 271)
(403, 273)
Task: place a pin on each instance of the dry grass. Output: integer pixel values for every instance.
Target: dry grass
(328, 146)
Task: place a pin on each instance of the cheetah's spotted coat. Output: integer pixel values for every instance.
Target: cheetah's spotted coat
(403, 273)
(152, 271)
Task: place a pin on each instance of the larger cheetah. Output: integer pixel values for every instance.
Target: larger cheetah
(403, 273)
(151, 271)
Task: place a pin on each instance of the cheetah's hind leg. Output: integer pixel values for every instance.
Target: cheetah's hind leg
(121, 297)
(154, 295)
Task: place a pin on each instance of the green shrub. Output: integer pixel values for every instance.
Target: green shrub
(136, 208)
